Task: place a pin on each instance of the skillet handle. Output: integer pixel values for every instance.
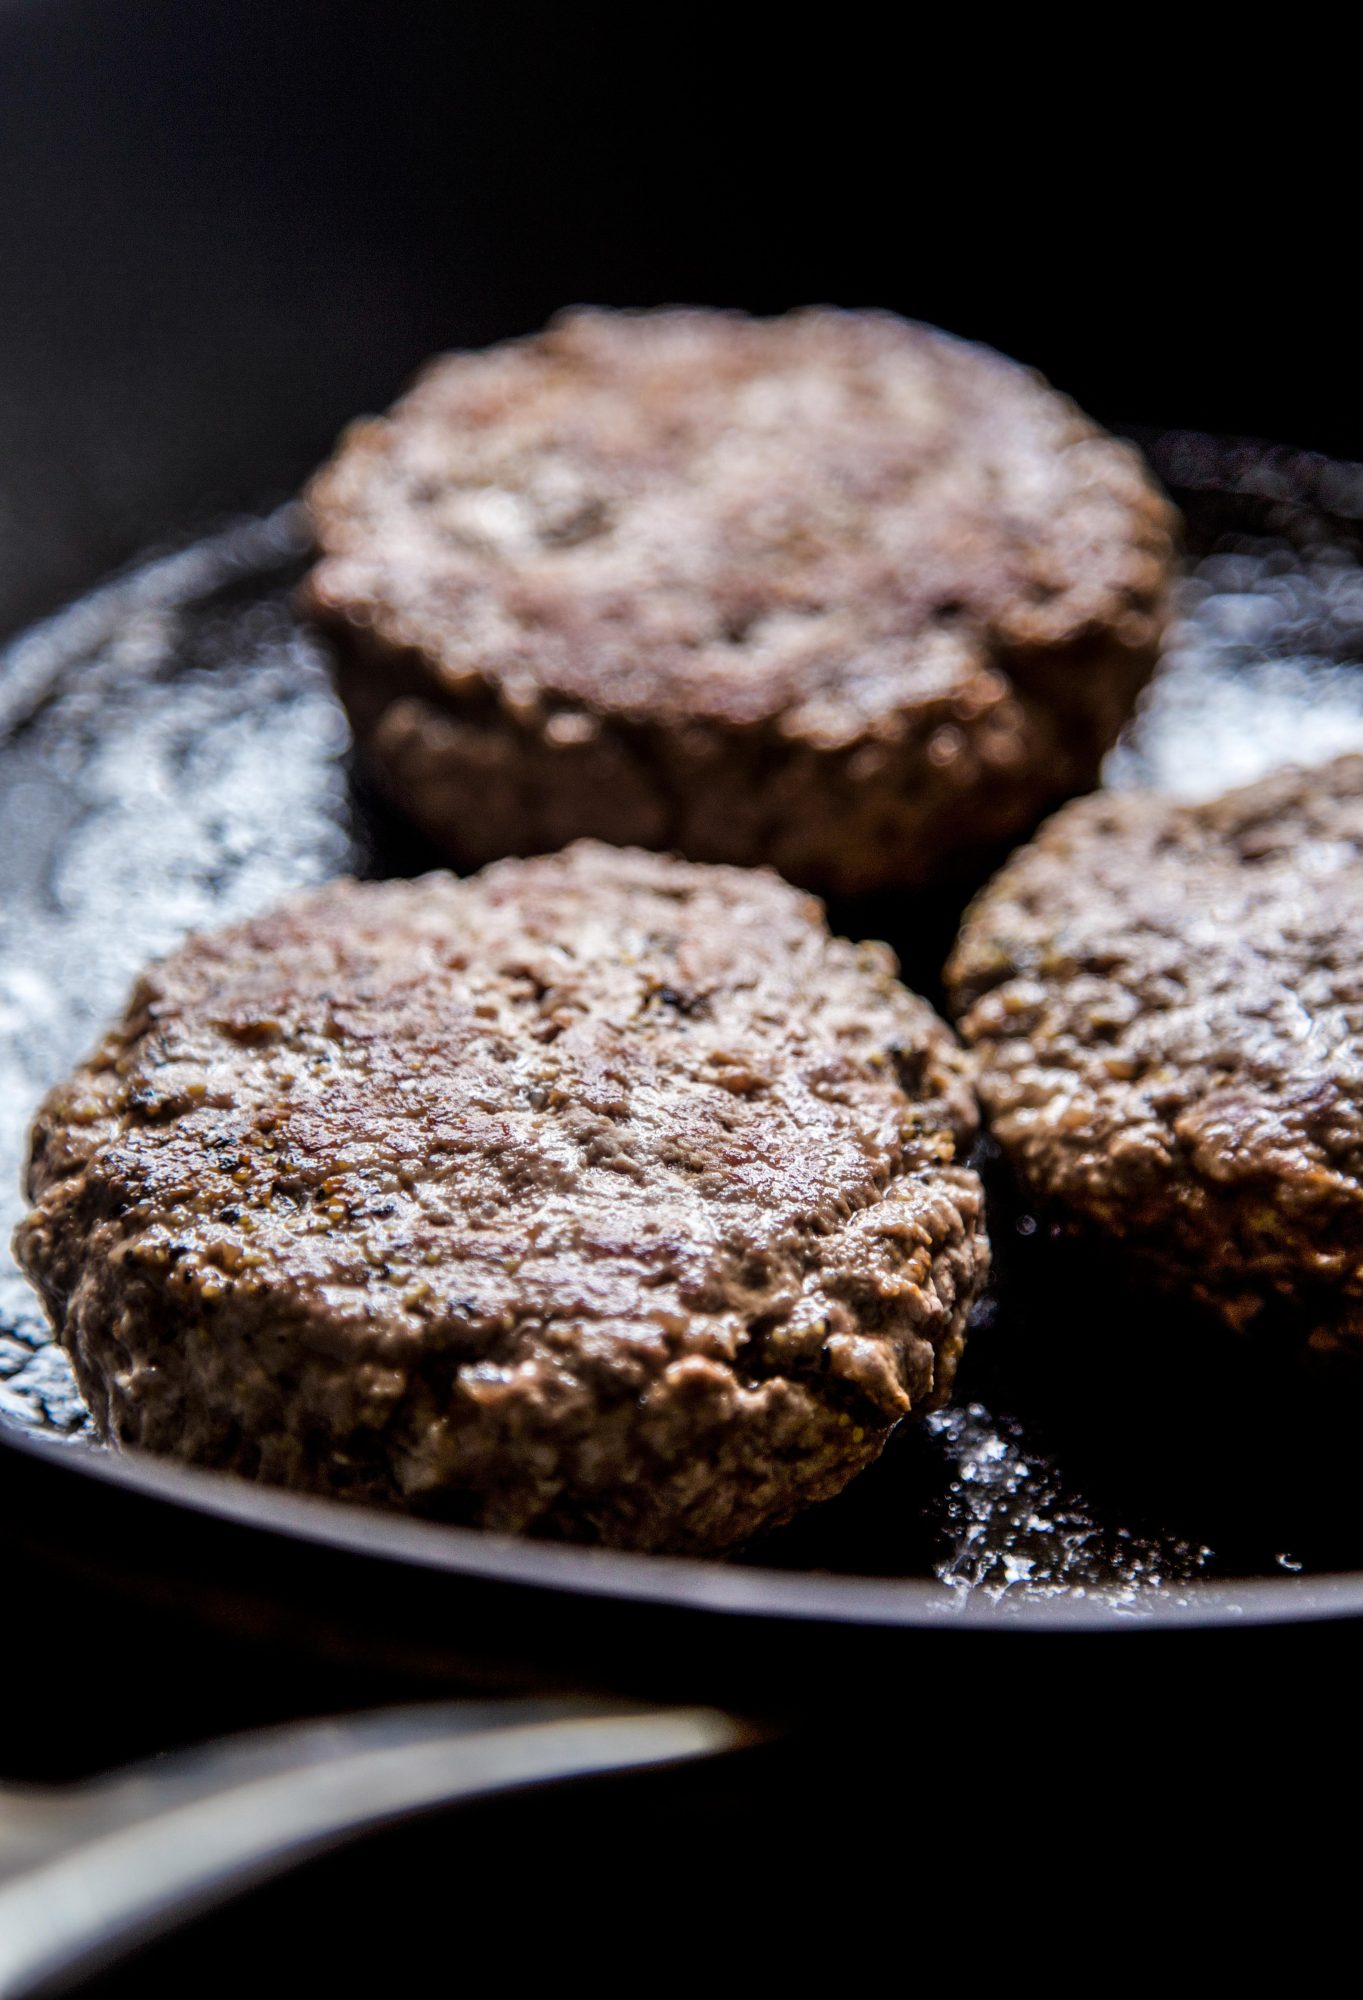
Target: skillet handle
(93, 1870)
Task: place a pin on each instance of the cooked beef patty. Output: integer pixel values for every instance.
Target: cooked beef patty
(834, 592)
(1166, 1001)
(600, 1196)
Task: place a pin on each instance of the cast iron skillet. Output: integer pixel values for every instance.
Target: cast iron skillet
(171, 755)
(219, 238)
(214, 247)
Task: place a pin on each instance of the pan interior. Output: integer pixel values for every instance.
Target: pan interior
(171, 757)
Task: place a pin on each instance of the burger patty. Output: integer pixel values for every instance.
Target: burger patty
(835, 592)
(602, 1196)
(1166, 1001)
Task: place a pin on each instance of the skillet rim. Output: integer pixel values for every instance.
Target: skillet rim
(684, 1584)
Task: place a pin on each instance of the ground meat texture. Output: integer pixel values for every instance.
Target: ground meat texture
(1166, 1001)
(601, 1196)
(834, 592)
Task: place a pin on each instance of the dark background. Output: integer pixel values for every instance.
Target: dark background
(226, 226)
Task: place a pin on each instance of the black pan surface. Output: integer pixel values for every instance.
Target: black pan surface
(171, 757)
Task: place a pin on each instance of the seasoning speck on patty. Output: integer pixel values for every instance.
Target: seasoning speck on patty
(1165, 1001)
(601, 1196)
(834, 592)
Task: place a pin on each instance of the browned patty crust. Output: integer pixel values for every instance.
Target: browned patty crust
(1166, 1003)
(835, 592)
(602, 1196)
